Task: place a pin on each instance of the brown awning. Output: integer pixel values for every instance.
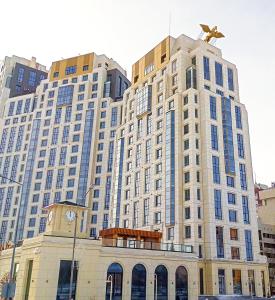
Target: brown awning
(126, 232)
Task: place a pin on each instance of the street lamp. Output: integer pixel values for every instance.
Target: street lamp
(110, 280)
(74, 242)
(11, 286)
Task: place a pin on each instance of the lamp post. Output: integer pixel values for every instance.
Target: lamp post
(74, 242)
(11, 288)
(110, 280)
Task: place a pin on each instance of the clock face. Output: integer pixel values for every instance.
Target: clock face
(50, 216)
(70, 215)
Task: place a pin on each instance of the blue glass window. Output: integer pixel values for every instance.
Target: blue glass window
(218, 204)
(5, 169)
(49, 180)
(27, 105)
(65, 95)
(114, 116)
(107, 192)
(69, 195)
(59, 179)
(214, 137)
(216, 169)
(55, 135)
(14, 167)
(231, 198)
(138, 286)
(57, 197)
(58, 114)
(238, 116)
(243, 177)
(80, 97)
(20, 74)
(62, 156)
(9, 198)
(65, 136)
(246, 215)
(81, 88)
(230, 79)
(110, 156)
(33, 210)
(11, 108)
(95, 76)
(213, 108)
(228, 136)
(240, 145)
(70, 70)
(218, 74)
(3, 140)
(52, 157)
(74, 148)
(248, 245)
(72, 171)
(232, 214)
(70, 183)
(230, 181)
(50, 94)
(32, 78)
(68, 114)
(42, 224)
(206, 68)
(11, 139)
(19, 107)
(46, 199)
(32, 222)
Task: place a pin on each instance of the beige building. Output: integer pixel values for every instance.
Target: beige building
(138, 267)
(266, 220)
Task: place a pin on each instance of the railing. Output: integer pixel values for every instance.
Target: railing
(147, 245)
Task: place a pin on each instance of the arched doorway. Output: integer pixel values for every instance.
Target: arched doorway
(114, 282)
(181, 283)
(138, 288)
(161, 283)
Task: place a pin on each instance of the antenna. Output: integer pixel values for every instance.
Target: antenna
(169, 23)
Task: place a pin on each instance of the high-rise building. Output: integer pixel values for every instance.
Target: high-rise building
(266, 220)
(19, 76)
(58, 143)
(183, 162)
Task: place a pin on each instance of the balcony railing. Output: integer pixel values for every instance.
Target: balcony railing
(147, 245)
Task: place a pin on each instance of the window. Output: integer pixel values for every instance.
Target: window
(70, 70)
(235, 253)
(65, 95)
(230, 181)
(213, 108)
(240, 145)
(186, 160)
(206, 68)
(158, 184)
(231, 198)
(233, 234)
(216, 170)
(138, 285)
(158, 200)
(186, 177)
(199, 231)
(243, 177)
(186, 129)
(246, 216)
(238, 116)
(214, 137)
(187, 213)
(221, 280)
(187, 195)
(230, 79)
(186, 144)
(32, 78)
(232, 215)
(218, 204)
(218, 74)
(219, 242)
(188, 232)
(185, 114)
(248, 245)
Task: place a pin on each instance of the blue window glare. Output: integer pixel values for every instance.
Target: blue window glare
(246, 215)
(59, 178)
(84, 77)
(206, 68)
(213, 108)
(14, 167)
(42, 224)
(70, 183)
(240, 145)
(52, 157)
(230, 181)
(74, 148)
(230, 79)
(218, 204)
(216, 170)
(81, 88)
(49, 180)
(58, 114)
(11, 108)
(30, 234)
(228, 136)
(76, 137)
(27, 105)
(3, 140)
(72, 171)
(96, 193)
(62, 156)
(69, 195)
(110, 156)
(11, 139)
(114, 116)
(8, 203)
(50, 94)
(91, 105)
(32, 78)
(46, 199)
(214, 137)
(33, 210)
(238, 116)
(243, 177)
(232, 214)
(231, 198)
(97, 181)
(20, 74)
(218, 74)
(65, 95)
(32, 222)
(70, 70)
(65, 135)
(55, 135)
(79, 107)
(80, 97)
(107, 192)
(73, 160)
(68, 114)
(248, 245)
(77, 127)
(19, 107)
(78, 117)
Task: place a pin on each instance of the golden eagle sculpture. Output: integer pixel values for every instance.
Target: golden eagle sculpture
(211, 33)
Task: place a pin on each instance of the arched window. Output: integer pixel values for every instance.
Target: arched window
(161, 283)
(181, 283)
(138, 289)
(114, 282)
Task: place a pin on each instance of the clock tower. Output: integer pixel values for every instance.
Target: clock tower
(62, 217)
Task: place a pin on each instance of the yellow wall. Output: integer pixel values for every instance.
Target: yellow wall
(152, 57)
(79, 61)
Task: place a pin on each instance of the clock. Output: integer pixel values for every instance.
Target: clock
(70, 215)
(50, 216)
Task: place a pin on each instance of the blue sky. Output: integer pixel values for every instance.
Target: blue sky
(126, 29)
